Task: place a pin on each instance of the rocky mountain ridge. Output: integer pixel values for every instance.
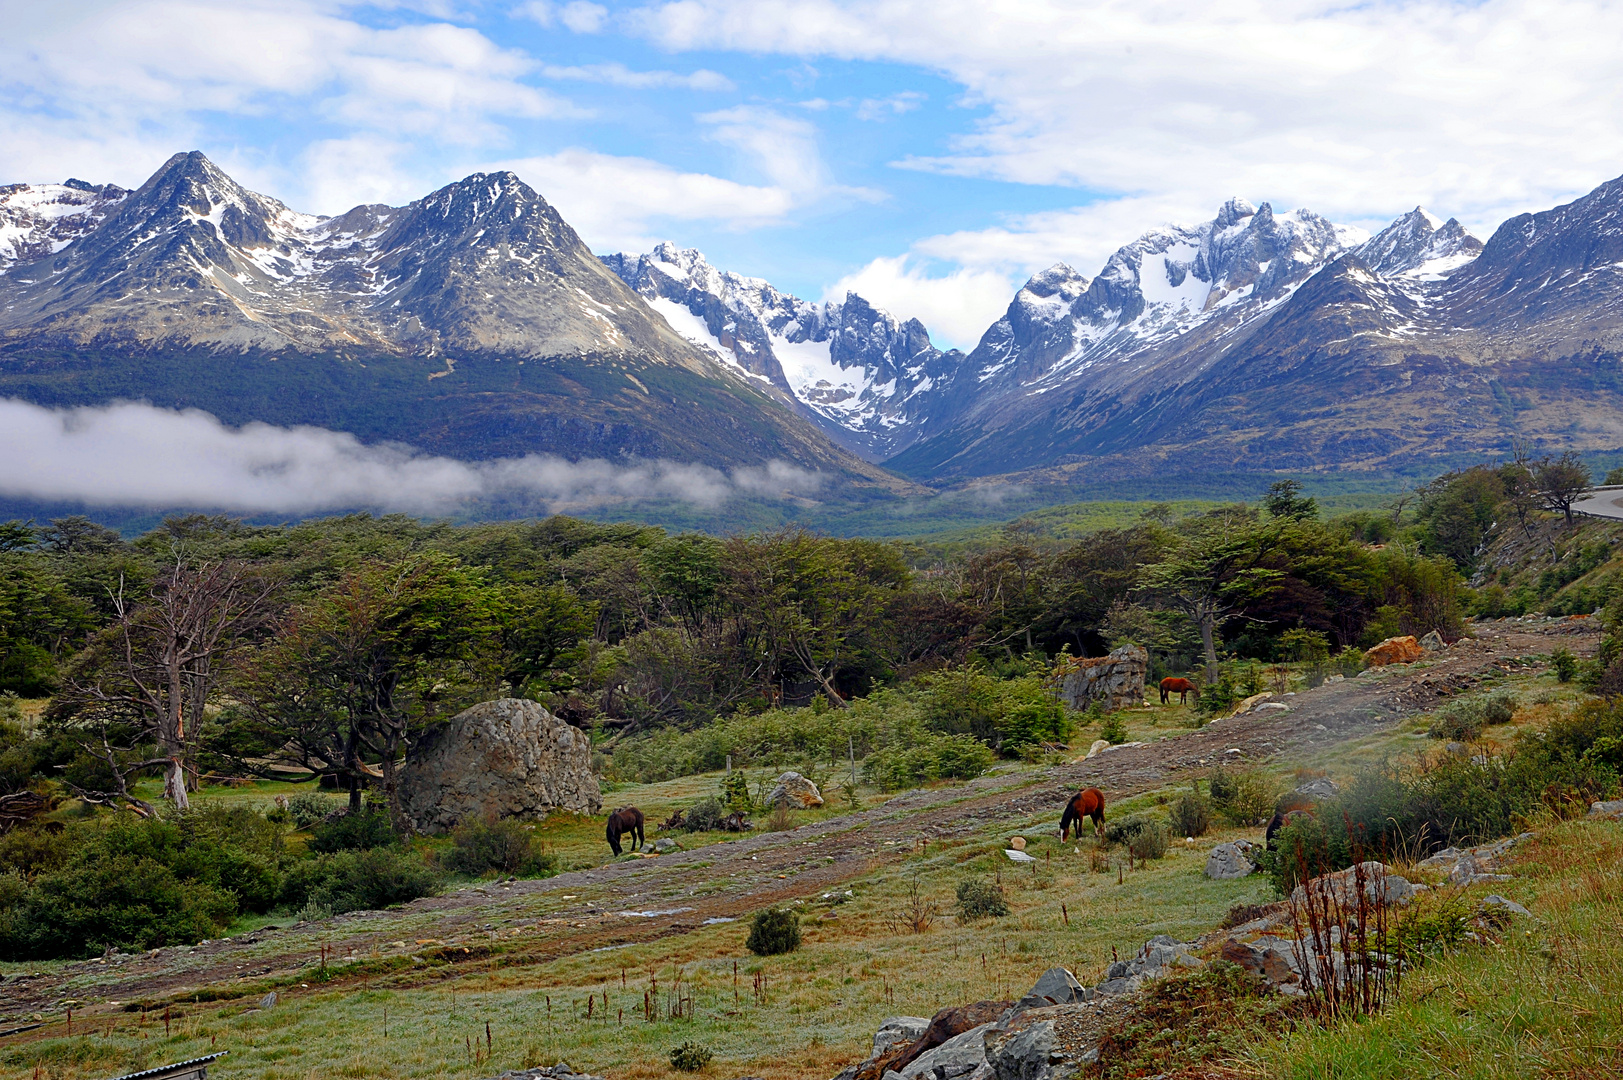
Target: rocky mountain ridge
(413, 324)
(867, 378)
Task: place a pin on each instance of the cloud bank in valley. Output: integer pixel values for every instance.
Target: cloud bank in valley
(134, 454)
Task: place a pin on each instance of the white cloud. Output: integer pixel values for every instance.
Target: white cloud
(621, 203)
(956, 306)
(886, 108)
(620, 75)
(580, 16)
(127, 83)
(136, 455)
(1359, 111)
(783, 148)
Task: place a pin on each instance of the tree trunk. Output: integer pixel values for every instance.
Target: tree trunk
(1208, 631)
(174, 783)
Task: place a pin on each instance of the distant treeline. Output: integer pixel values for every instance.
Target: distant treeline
(335, 644)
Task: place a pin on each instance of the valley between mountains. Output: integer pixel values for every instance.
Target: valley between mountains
(474, 323)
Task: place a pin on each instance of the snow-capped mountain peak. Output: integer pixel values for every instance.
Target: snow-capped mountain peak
(1420, 245)
(855, 369)
(41, 219)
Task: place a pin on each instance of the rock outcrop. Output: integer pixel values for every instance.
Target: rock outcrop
(795, 792)
(1395, 650)
(499, 759)
(1115, 681)
(1232, 860)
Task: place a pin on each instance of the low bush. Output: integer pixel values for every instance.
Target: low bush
(691, 1057)
(132, 884)
(1564, 664)
(1245, 797)
(931, 757)
(774, 931)
(359, 830)
(1465, 719)
(1150, 842)
(1190, 815)
(704, 815)
(307, 808)
(359, 880)
(502, 847)
(980, 899)
(1113, 729)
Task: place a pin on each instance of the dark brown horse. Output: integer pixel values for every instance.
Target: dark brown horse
(1182, 687)
(1088, 803)
(627, 819)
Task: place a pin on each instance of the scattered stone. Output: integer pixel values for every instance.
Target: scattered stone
(1499, 902)
(1057, 986)
(898, 1030)
(1018, 843)
(1232, 860)
(1394, 650)
(1319, 789)
(1381, 886)
(502, 759)
(1115, 681)
(1433, 642)
(268, 1001)
(1612, 810)
(1458, 749)
(1473, 866)
(559, 1071)
(795, 791)
(1159, 955)
(665, 843)
(1272, 706)
(1018, 856)
(1099, 746)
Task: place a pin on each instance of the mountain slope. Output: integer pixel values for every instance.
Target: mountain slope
(473, 322)
(869, 380)
(1418, 343)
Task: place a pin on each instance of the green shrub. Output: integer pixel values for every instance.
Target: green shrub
(1301, 851)
(133, 884)
(359, 830)
(1244, 798)
(1113, 729)
(735, 795)
(307, 808)
(774, 931)
(980, 899)
(931, 757)
(704, 816)
(1150, 842)
(1191, 815)
(504, 847)
(1146, 837)
(359, 880)
(1464, 719)
(1564, 664)
(690, 1057)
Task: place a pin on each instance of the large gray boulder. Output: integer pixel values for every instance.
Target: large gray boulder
(1231, 860)
(795, 792)
(1115, 681)
(499, 759)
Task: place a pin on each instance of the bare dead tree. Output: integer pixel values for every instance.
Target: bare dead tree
(156, 667)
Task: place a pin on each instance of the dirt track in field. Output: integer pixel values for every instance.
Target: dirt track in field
(529, 922)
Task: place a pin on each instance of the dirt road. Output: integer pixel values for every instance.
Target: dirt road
(529, 922)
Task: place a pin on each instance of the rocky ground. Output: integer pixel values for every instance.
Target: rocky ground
(529, 922)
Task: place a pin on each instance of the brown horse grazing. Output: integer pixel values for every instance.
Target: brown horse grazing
(1089, 803)
(625, 820)
(1182, 687)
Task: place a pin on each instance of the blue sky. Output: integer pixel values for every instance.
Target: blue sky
(931, 154)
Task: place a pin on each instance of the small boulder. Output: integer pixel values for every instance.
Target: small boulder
(268, 1001)
(1499, 903)
(1017, 856)
(1433, 641)
(1612, 810)
(1230, 861)
(1319, 789)
(1099, 746)
(1395, 650)
(898, 1029)
(1381, 886)
(1018, 843)
(796, 792)
(665, 844)
(1057, 986)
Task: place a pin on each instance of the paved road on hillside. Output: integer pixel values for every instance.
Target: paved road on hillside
(534, 922)
(1604, 502)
